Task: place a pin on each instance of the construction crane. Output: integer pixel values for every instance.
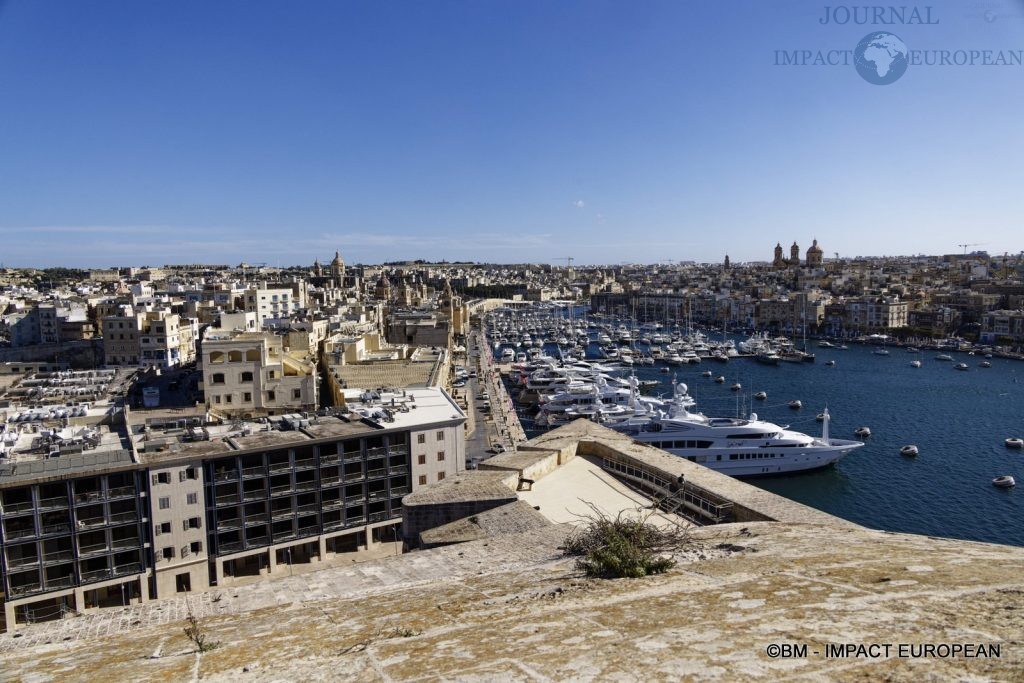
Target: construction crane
(973, 244)
(568, 261)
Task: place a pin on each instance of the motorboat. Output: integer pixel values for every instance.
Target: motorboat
(768, 358)
(881, 352)
(960, 366)
(1014, 442)
(915, 363)
(909, 450)
(1004, 482)
(984, 364)
(826, 345)
(943, 356)
(706, 373)
(720, 379)
(736, 387)
(736, 446)
(862, 431)
(820, 417)
(796, 405)
(761, 395)
(830, 362)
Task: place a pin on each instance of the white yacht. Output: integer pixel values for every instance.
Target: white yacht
(737, 447)
(508, 355)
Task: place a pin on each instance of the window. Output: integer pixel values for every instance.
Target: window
(440, 476)
(421, 459)
(440, 436)
(247, 397)
(168, 552)
(216, 399)
(162, 478)
(246, 377)
(184, 551)
(271, 396)
(192, 523)
(440, 456)
(228, 398)
(164, 528)
(296, 393)
(218, 378)
(193, 498)
(196, 546)
(271, 374)
(191, 473)
(423, 480)
(183, 582)
(165, 503)
(421, 438)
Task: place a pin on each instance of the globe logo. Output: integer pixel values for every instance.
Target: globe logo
(880, 58)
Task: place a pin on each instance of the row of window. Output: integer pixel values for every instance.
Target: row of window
(186, 524)
(681, 443)
(751, 456)
(195, 547)
(191, 498)
(423, 478)
(422, 438)
(165, 477)
(247, 397)
(422, 458)
(218, 377)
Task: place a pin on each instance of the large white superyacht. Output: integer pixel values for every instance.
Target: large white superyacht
(734, 446)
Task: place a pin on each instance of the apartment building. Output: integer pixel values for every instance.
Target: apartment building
(252, 374)
(158, 339)
(875, 313)
(1003, 324)
(177, 505)
(279, 303)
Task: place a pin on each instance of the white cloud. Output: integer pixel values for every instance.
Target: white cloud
(578, 204)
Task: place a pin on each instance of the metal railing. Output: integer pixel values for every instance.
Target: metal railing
(59, 556)
(355, 521)
(229, 475)
(399, 491)
(60, 582)
(119, 543)
(373, 474)
(329, 459)
(16, 508)
(227, 498)
(376, 452)
(281, 512)
(121, 492)
(230, 523)
(258, 518)
(332, 504)
(355, 500)
(305, 463)
(280, 467)
(378, 495)
(27, 532)
(378, 516)
(86, 496)
(257, 471)
(399, 450)
(91, 522)
(254, 494)
(350, 456)
(60, 502)
(355, 476)
(131, 568)
(124, 517)
(94, 549)
(25, 589)
(62, 528)
(330, 480)
(308, 531)
(307, 509)
(16, 562)
(284, 535)
(283, 488)
(224, 548)
(305, 485)
(97, 575)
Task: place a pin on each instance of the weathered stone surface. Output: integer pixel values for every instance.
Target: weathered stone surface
(513, 609)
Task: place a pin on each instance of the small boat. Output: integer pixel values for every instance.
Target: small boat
(913, 349)
(826, 345)
(881, 352)
(830, 362)
(736, 387)
(984, 364)
(843, 347)
(862, 431)
(915, 363)
(960, 366)
(796, 405)
(970, 353)
(1014, 442)
(910, 450)
(943, 356)
(720, 379)
(706, 373)
(820, 417)
(761, 395)
(988, 355)
(665, 371)
(1004, 482)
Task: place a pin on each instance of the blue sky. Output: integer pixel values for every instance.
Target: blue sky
(165, 132)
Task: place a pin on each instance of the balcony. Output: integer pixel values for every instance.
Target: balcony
(305, 485)
(94, 549)
(329, 460)
(281, 513)
(330, 480)
(332, 504)
(57, 503)
(19, 562)
(355, 521)
(376, 452)
(376, 474)
(130, 568)
(255, 494)
(97, 575)
(15, 534)
(355, 476)
(121, 492)
(276, 467)
(284, 536)
(25, 589)
(59, 556)
(91, 522)
(305, 464)
(397, 491)
(122, 543)
(398, 469)
(60, 582)
(86, 496)
(399, 450)
(228, 475)
(308, 531)
(379, 495)
(351, 456)
(225, 548)
(51, 529)
(378, 516)
(259, 518)
(249, 472)
(227, 499)
(281, 490)
(355, 500)
(311, 508)
(335, 524)
(16, 508)
(124, 517)
(232, 523)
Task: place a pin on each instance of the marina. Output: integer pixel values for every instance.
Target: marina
(964, 434)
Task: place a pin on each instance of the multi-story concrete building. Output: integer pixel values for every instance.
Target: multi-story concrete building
(1005, 324)
(175, 505)
(166, 340)
(875, 313)
(249, 374)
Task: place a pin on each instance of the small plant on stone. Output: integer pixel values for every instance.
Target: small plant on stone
(622, 547)
(197, 634)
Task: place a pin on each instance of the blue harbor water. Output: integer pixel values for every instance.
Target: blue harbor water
(958, 420)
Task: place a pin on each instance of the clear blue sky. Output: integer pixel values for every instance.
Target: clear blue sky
(214, 131)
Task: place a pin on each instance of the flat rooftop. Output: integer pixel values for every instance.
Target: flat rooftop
(580, 488)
